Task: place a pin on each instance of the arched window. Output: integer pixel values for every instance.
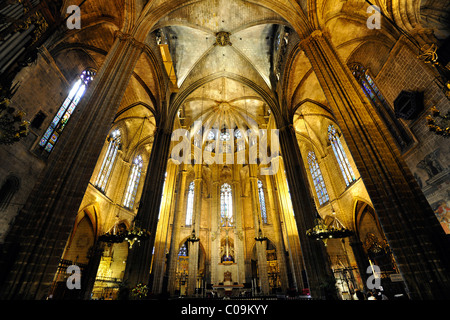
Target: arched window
(262, 202)
(317, 178)
(133, 182)
(108, 160)
(55, 129)
(183, 251)
(402, 137)
(190, 204)
(341, 157)
(226, 205)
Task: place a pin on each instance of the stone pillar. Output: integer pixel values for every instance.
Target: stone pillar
(215, 230)
(140, 256)
(260, 245)
(239, 244)
(295, 260)
(176, 229)
(44, 224)
(281, 259)
(194, 246)
(162, 237)
(89, 275)
(317, 267)
(414, 234)
(360, 258)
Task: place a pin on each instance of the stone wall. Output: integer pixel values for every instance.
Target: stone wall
(429, 158)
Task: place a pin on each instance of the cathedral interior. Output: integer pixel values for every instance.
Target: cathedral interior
(224, 149)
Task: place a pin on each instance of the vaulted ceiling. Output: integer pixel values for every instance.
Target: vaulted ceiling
(223, 53)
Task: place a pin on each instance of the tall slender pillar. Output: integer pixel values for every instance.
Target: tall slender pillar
(317, 267)
(289, 227)
(281, 259)
(215, 230)
(194, 246)
(260, 245)
(38, 237)
(360, 258)
(175, 240)
(140, 257)
(239, 244)
(414, 234)
(162, 236)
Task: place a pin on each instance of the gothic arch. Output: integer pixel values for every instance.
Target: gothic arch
(184, 94)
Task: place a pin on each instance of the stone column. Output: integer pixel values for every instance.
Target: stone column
(317, 267)
(239, 244)
(281, 259)
(215, 230)
(194, 246)
(260, 245)
(414, 234)
(162, 236)
(176, 229)
(88, 277)
(140, 256)
(42, 227)
(360, 258)
(289, 227)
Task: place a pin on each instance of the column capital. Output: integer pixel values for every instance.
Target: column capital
(314, 35)
(129, 37)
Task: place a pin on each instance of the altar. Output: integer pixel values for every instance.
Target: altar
(228, 288)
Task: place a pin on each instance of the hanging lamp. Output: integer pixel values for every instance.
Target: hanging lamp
(321, 231)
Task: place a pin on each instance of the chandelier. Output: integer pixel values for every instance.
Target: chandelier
(12, 125)
(260, 237)
(193, 238)
(113, 237)
(323, 232)
(136, 234)
(428, 54)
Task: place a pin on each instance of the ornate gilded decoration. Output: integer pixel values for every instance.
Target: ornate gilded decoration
(323, 232)
(223, 38)
(444, 128)
(39, 22)
(428, 54)
(12, 125)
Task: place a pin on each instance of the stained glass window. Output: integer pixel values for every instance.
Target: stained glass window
(317, 178)
(210, 146)
(190, 204)
(108, 160)
(262, 202)
(401, 136)
(198, 138)
(240, 142)
(60, 120)
(133, 182)
(183, 251)
(225, 135)
(226, 205)
(341, 157)
(211, 135)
